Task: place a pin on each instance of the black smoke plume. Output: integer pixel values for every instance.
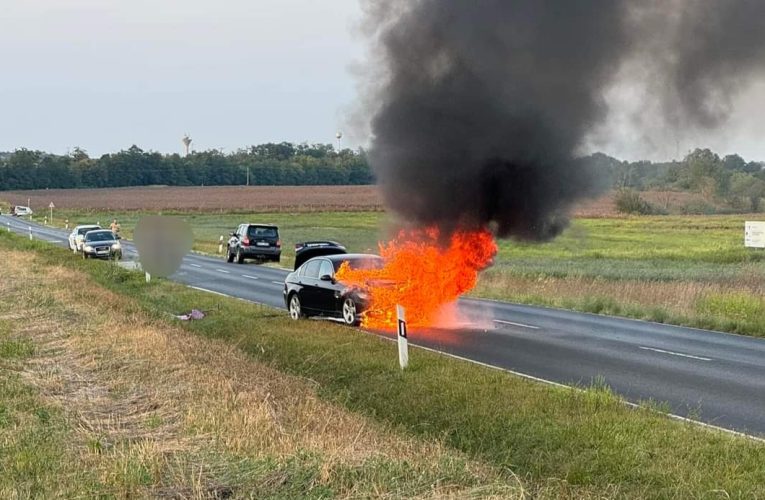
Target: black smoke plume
(478, 107)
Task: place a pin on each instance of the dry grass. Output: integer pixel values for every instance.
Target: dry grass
(729, 306)
(157, 411)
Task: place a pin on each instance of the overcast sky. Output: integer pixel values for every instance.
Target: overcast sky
(106, 74)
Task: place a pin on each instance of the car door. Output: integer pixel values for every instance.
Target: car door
(328, 292)
(310, 296)
(233, 241)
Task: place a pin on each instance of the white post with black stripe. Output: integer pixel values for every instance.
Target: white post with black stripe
(403, 345)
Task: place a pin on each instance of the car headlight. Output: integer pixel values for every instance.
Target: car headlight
(116, 246)
(88, 248)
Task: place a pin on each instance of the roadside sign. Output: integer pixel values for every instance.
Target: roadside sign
(754, 234)
(51, 205)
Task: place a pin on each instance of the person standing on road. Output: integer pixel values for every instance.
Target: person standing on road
(115, 227)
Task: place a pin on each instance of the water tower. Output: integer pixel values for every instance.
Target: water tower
(338, 136)
(186, 143)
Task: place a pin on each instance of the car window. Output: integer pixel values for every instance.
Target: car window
(361, 263)
(326, 268)
(312, 269)
(99, 236)
(86, 229)
(262, 232)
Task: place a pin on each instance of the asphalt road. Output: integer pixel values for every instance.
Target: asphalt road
(713, 377)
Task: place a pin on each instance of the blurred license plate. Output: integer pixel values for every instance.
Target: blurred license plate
(262, 244)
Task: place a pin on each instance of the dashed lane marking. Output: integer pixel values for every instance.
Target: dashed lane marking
(513, 323)
(672, 353)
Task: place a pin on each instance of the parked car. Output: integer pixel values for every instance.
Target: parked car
(20, 211)
(102, 244)
(254, 241)
(77, 236)
(312, 290)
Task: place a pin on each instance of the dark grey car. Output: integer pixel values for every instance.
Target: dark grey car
(101, 244)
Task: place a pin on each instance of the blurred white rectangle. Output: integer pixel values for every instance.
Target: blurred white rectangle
(754, 234)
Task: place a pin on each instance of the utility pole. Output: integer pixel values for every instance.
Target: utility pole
(248, 175)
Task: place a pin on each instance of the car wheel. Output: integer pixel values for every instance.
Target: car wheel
(349, 312)
(239, 256)
(229, 255)
(295, 308)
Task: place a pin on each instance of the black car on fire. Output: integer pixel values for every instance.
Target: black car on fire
(312, 290)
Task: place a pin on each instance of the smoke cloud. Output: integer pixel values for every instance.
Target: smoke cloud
(478, 108)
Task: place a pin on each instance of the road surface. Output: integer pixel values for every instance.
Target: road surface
(714, 377)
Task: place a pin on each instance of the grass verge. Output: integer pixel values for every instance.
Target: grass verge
(99, 398)
(559, 442)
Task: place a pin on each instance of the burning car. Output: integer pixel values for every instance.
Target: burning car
(313, 289)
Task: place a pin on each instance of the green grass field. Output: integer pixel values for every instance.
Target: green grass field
(691, 270)
(560, 443)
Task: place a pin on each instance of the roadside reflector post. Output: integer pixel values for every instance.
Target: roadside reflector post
(148, 277)
(45, 221)
(403, 345)
(9, 226)
(66, 224)
(30, 232)
(220, 244)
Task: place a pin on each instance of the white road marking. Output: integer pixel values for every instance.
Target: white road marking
(516, 324)
(223, 271)
(195, 265)
(674, 353)
(251, 277)
(278, 282)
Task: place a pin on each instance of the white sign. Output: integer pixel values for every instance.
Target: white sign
(754, 234)
(51, 205)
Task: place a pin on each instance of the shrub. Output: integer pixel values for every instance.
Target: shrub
(629, 201)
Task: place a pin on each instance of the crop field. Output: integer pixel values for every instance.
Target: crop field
(203, 199)
(269, 199)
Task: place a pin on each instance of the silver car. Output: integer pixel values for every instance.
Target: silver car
(78, 235)
(101, 244)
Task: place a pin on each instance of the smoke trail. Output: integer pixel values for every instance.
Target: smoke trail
(478, 107)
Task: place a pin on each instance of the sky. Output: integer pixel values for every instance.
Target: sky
(106, 74)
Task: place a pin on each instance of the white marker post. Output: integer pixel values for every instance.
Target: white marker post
(403, 345)
(30, 233)
(220, 244)
(9, 226)
(148, 277)
(51, 207)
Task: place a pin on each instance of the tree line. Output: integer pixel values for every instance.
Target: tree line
(264, 164)
(729, 179)
(739, 183)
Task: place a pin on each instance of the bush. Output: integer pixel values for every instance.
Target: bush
(698, 208)
(629, 201)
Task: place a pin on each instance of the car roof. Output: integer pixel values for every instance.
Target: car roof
(348, 256)
(262, 225)
(88, 225)
(100, 231)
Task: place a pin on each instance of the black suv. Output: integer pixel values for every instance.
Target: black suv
(254, 241)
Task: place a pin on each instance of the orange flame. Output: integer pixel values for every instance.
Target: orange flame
(421, 274)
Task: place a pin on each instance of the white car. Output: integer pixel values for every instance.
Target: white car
(77, 236)
(20, 211)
